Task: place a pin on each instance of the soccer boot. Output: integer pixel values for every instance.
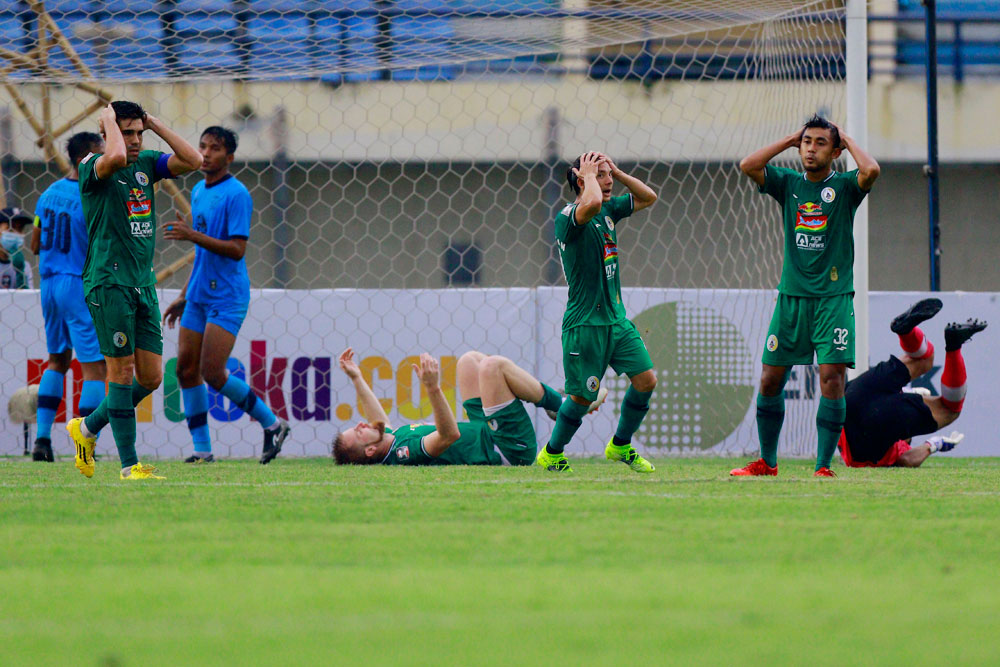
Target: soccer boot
(602, 394)
(956, 333)
(194, 458)
(824, 472)
(273, 440)
(627, 455)
(42, 450)
(917, 313)
(141, 471)
(758, 468)
(84, 447)
(553, 462)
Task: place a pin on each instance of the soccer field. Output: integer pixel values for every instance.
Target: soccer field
(304, 562)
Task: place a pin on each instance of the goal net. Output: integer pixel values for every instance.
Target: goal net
(406, 160)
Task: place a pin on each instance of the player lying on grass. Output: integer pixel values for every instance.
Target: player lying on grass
(881, 418)
(814, 312)
(499, 431)
(59, 240)
(116, 189)
(214, 301)
(596, 333)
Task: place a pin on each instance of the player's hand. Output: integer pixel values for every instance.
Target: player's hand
(149, 122)
(177, 230)
(841, 134)
(794, 140)
(615, 171)
(107, 116)
(174, 312)
(588, 165)
(347, 364)
(427, 371)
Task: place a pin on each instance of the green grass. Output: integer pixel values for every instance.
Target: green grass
(302, 562)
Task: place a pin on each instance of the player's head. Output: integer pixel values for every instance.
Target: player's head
(362, 444)
(604, 179)
(819, 144)
(131, 121)
(218, 149)
(82, 144)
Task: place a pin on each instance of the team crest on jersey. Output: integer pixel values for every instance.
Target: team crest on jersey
(403, 453)
(143, 179)
(772, 343)
(120, 339)
(828, 195)
(609, 222)
(593, 383)
(493, 424)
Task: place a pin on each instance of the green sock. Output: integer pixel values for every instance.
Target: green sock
(122, 417)
(551, 400)
(635, 405)
(97, 419)
(139, 392)
(569, 420)
(770, 417)
(829, 422)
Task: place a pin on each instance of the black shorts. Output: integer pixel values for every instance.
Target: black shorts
(879, 413)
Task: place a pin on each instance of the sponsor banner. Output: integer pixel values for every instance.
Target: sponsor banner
(705, 344)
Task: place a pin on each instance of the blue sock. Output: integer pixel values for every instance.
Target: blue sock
(50, 393)
(239, 392)
(91, 396)
(196, 411)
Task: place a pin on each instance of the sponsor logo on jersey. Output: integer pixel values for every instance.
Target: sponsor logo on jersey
(810, 219)
(403, 453)
(772, 343)
(593, 383)
(610, 249)
(141, 177)
(828, 195)
(804, 241)
(140, 212)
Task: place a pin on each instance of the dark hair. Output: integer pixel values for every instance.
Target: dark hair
(344, 455)
(823, 124)
(571, 177)
(128, 110)
(228, 138)
(80, 144)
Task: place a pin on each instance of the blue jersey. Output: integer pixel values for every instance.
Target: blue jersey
(221, 210)
(59, 214)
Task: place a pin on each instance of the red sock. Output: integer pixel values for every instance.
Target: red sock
(915, 344)
(953, 380)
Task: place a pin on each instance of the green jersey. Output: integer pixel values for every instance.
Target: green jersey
(589, 255)
(472, 448)
(819, 230)
(121, 221)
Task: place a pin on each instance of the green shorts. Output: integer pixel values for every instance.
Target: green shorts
(126, 319)
(589, 350)
(802, 325)
(509, 429)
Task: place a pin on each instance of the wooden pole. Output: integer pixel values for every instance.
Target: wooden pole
(70, 124)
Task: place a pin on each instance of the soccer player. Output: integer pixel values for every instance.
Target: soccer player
(214, 301)
(15, 273)
(116, 188)
(59, 240)
(815, 306)
(595, 331)
(499, 431)
(881, 418)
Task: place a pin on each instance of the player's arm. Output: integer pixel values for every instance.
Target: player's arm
(868, 169)
(115, 156)
(590, 200)
(186, 157)
(755, 164)
(366, 397)
(447, 431)
(642, 195)
(178, 230)
(174, 311)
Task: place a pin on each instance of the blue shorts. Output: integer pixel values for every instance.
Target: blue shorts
(229, 316)
(67, 318)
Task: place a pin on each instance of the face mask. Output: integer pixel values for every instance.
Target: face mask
(11, 241)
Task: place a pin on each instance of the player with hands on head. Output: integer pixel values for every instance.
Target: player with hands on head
(499, 430)
(214, 302)
(596, 333)
(116, 189)
(814, 313)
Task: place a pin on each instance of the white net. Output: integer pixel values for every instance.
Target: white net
(406, 160)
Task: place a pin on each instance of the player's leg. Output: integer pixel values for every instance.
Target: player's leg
(194, 392)
(953, 377)
(467, 374)
(630, 357)
(223, 323)
(833, 340)
(503, 386)
(50, 395)
(911, 339)
(83, 336)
